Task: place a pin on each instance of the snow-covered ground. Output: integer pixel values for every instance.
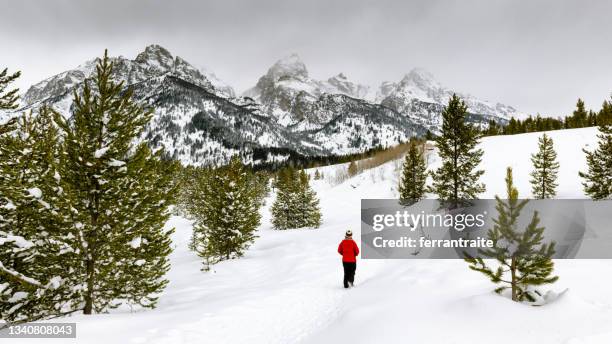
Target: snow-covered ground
(288, 289)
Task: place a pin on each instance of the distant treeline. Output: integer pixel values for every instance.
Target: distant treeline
(300, 161)
(580, 118)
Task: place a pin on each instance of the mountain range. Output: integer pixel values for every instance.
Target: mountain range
(199, 119)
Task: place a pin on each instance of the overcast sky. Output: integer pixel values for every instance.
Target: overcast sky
(538, 56)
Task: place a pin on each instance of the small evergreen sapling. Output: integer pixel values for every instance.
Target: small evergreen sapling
(523, 261)
(546, 167)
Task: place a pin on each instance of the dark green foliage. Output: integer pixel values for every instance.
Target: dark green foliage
(296, 204)
(224, 205)
(580, 118)
(545, 169)
(598, 179)
(414, 175)
(35, 250)
(457, 179)
(523, 261)
(260, 182)
(118, 197)
(8, 98)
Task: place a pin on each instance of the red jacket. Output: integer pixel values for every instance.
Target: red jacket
(349, 250)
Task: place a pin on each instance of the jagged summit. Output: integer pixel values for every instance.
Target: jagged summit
(421, 78)
(419, 85)
(156, 55)
(199, 120)
(288, 66)
(342, 84)
(153, 61)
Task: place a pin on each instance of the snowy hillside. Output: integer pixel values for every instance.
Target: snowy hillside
(287, 288)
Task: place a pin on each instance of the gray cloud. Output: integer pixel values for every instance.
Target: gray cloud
(536, 55)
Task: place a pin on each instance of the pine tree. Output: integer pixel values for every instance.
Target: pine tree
(414, 175)
(284, 206)
(546, 167)
(457, 179)
(523, 260)
(317, 175)
(226, 213)
(8, 98)
(579, 116)
(296, 204)
(35, 255)
(119, 195)
(309, 203)
(598, 179)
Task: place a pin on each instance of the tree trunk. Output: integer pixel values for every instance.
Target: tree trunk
(514, 281)
(90, 285)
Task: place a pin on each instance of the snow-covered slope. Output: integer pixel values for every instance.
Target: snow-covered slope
(287, 288)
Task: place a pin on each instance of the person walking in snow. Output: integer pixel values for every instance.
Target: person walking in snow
(349, 251)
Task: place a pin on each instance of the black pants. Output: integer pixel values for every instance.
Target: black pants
(349, 273)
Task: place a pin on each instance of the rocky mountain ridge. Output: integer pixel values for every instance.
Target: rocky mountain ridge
(200, 120)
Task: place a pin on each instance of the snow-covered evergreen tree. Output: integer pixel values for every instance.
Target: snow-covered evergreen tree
(35, 251)
(523, 261)
(284, 207)
(598, 179)
(118, 194)
(457, 179)
(545, 169)
(296, 204)
(414, 175)
(226, 212)
(309, 203)
(8, 98)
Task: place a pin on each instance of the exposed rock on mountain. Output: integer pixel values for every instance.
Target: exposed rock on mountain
(420, 96)
(199, 120)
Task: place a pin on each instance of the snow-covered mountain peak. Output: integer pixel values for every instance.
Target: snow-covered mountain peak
(155, 55)
(420, 78)
(288, 66)
(153, 61)
(341, 84)
(220, 85)
(419, 85)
